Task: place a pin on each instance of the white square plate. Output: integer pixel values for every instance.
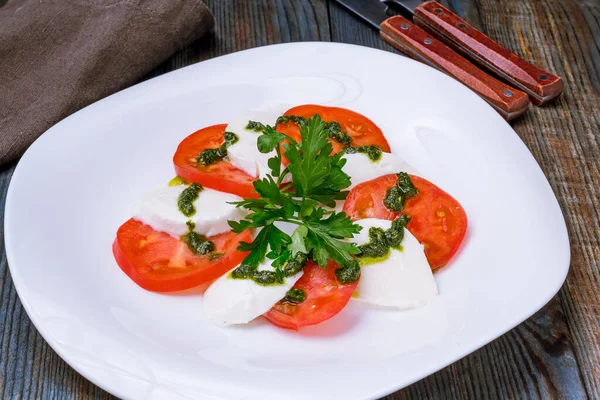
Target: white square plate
(77, 183)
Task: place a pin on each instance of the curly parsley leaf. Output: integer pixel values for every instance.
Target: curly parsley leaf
(337, 225)
(281, 259)
(278, 240)
(324, 238)
(267, 188)
(274, 164)
(270, 237)
(298, 238)
(317, 179)
(257, 249)
(337, 179)
(310, 161)
(239, 227)
(317, 248)
(316, 174)
(269, 140)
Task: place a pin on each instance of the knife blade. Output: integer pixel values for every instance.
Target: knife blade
(420, 45)
(542, 86)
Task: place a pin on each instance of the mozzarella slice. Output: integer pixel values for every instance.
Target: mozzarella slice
(158, 208)
(361, 169)
(244, 153)
(404, 280)
(231, 301)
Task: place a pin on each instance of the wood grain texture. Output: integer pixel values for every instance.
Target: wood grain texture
(458, 34)
(29, 368)
(243, 24)
(564, 138)
(491, 372)
(534, 360)
(556, 353)
(422, 46)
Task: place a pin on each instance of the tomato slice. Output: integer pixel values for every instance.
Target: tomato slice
(362, 130)
(222, 175)
(325, 297)
(438, 221)
(158, 262)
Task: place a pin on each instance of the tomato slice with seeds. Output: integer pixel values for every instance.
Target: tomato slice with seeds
(222, 175)
(325, 297)
(362, 130)
(438, 221)
(158, 262)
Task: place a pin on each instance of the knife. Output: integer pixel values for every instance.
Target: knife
(540, 85)
(420, 45)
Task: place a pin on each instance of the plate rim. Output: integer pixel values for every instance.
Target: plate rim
(60, 349)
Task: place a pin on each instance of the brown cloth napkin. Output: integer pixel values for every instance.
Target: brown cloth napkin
(57, 56)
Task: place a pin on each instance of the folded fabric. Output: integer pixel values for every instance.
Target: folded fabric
(57, 56)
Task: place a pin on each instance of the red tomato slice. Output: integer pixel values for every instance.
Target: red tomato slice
(325, 297)
(438, 221)
(161, 263)
(362, 130)
(221, 176)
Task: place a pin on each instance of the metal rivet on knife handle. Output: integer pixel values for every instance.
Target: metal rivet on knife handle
(419, 45)
(404, 26)
(540, 85)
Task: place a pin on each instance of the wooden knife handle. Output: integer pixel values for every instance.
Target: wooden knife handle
(541, 85)
(420, 45)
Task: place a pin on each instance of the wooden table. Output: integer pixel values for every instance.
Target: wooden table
(554, 354)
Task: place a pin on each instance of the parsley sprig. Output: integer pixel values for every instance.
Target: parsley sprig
(317, 180)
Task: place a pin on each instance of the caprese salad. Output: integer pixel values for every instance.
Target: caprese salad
(290, 214)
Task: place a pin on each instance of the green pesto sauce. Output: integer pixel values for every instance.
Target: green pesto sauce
(397, 195)
(376, 260)
(211, 156)
(334, 130)
(265, 277)
(197, 243)
(186, 199)
(336, 133)
(177, 181)
(268, 278)
(377, 249)
(373, 152)
(215, 256)
(294, 265)
(255, 126)
(350, 273)
(295, 296)
(287, 118)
